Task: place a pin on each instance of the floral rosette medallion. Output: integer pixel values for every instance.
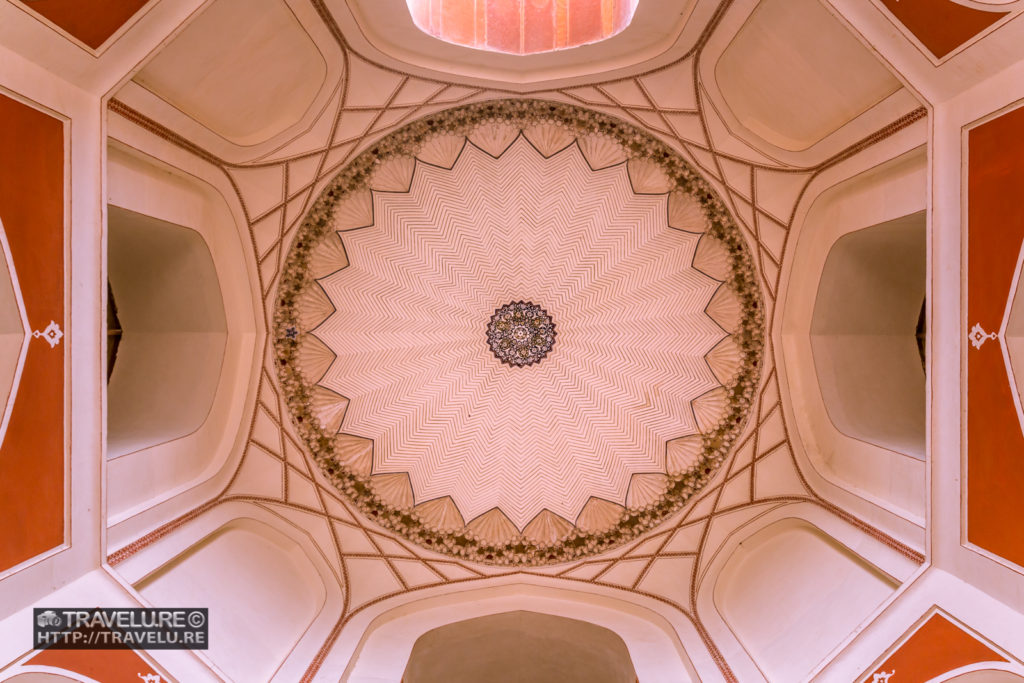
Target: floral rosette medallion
(465, 428)
(520, 333)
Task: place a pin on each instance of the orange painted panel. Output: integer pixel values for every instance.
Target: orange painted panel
(32, 212)
(937, 647)
(91, 22)
(995, 232)
(941, 25)
(108, 666)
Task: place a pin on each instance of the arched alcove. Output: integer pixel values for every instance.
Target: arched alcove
(378, 643)
(779, 74)
(173, 331)
(863, 334)
(520, 646)
(852, 303)
(186, 361)
(261, 589)
(791, 593)
(246, 69)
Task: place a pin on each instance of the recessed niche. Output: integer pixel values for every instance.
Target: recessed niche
(793, 74)
(245, 69)
(864, 334)
(511, 647)
(791, 594)
(173, 331)
(261, 589)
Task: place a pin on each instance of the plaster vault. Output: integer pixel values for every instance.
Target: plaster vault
(765, 257)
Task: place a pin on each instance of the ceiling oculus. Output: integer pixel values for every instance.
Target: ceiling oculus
(522, 27)
(574, 218)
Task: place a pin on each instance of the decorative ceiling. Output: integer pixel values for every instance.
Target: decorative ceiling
(393, 288)
(329, 452)
(456, 293)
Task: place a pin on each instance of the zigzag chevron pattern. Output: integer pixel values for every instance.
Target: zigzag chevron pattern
(409, 331)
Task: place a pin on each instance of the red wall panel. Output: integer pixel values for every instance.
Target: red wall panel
(937, 647)
(32, 213)
(995, 232)
(942, 26)
(91, 22)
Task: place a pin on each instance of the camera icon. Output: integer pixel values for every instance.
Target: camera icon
(47, 618)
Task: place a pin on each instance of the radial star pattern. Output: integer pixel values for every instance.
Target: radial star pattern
(422, 284)
(465, 421)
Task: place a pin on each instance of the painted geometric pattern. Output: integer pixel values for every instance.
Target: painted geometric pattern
(669, 101)
(587, 248)
(411, 311)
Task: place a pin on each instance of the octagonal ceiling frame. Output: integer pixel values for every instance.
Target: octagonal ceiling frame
(709, 155)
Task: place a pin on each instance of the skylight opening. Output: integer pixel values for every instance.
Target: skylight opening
(522, 27)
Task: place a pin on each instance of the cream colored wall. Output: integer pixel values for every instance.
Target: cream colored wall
(261, 589)
(818, 78)
(786, 576)
(204, 70)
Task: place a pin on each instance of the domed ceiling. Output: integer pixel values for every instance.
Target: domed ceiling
(519, 331)
(526, 332)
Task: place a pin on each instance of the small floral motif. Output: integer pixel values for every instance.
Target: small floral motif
(520, 333)
(51, 335)
(521, 113)
(979, 336)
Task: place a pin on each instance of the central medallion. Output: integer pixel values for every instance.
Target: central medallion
(520, 333)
